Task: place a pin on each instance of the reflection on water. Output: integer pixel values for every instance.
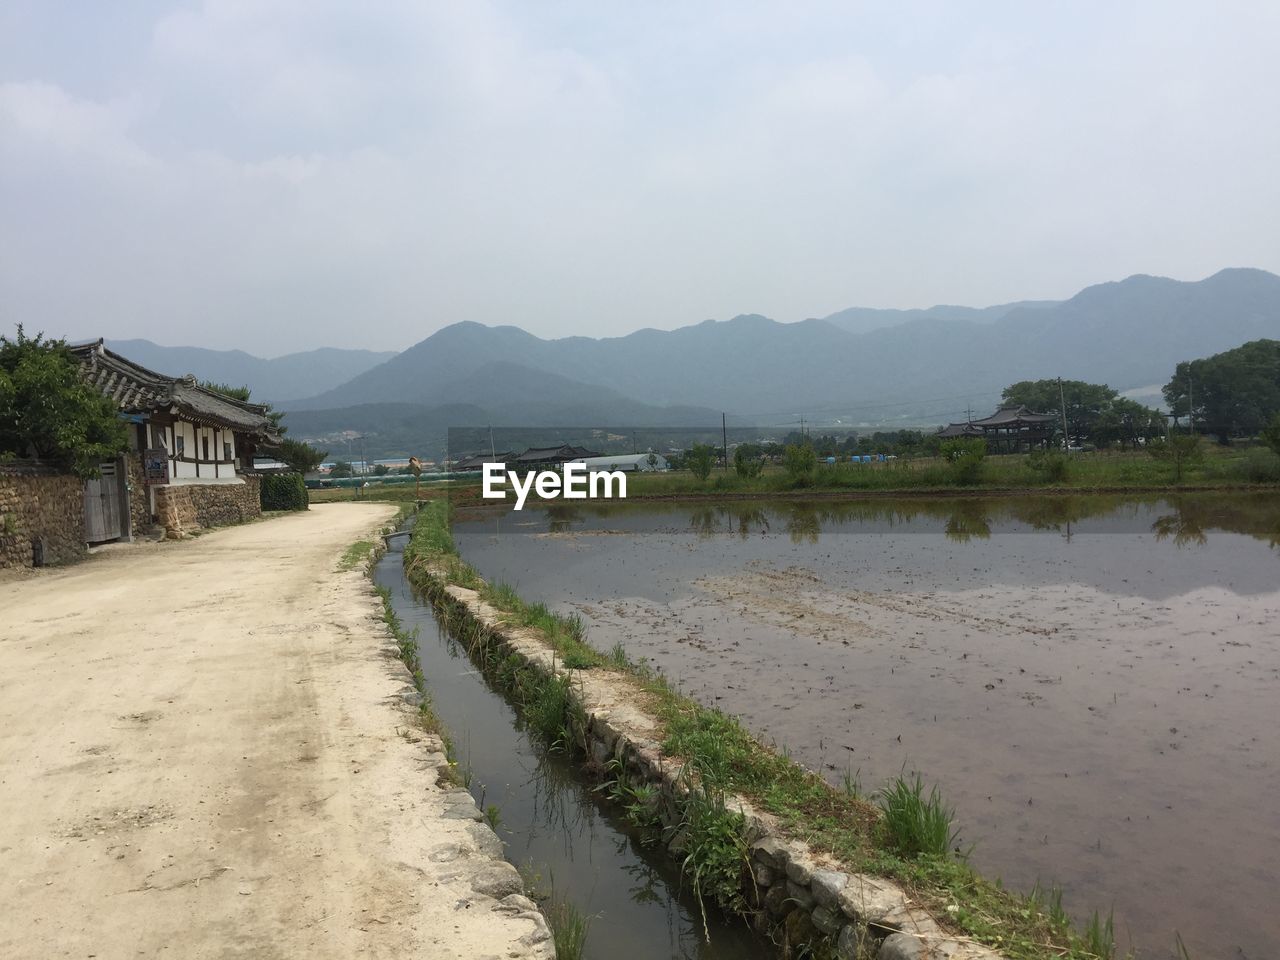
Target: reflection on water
(553, 824)
(1186, 518)
(1093, 680)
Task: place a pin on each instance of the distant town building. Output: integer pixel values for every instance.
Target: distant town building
(627, 462)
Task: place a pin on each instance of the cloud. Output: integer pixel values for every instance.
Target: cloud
(280, 175)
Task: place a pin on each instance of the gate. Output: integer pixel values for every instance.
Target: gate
(102, 506)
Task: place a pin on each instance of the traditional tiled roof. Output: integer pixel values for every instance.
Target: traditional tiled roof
(1008, 416)
(135, 389)
(558, 454)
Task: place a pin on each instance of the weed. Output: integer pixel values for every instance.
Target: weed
(569, 928)
(492, 816)
(916, 824)
(355, 555)
(715, 846)
(1100, 936)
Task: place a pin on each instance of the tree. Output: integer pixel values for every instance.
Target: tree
(1271, 434)
(800, 460)
(745, 465)
(342, 469)
(300, 457)
(380, 470)
(1095, 413)
(699, 460)
(1180, 450)
(1235, 392)
(48, 411)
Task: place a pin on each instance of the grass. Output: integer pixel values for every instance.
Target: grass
(569, 928)
(907, 835)
(356, 554)
(916, 824)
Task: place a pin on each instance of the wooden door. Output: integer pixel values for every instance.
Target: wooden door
(102, 506)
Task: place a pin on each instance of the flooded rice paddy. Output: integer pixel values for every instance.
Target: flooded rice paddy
(1094, 681)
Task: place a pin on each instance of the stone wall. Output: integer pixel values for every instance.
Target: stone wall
(139, 507)
(40, 506)
(183, 509)
(798, 896)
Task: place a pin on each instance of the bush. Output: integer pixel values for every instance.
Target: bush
(965, 457)
(1049, 466)
(747, 467)
(699, 460)
(283, 491)
(1259, 466)
(800, 461)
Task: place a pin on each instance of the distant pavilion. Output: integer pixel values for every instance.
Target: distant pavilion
(1010, 429)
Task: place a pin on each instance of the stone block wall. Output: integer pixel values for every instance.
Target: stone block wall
(186, 508)
(39, 505)
(139, 507)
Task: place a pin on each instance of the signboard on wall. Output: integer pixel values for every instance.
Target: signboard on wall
(155, 466)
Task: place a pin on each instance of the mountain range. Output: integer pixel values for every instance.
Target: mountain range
(278, 380)
(858, 366)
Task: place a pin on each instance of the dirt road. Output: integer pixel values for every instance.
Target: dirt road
(204, 753)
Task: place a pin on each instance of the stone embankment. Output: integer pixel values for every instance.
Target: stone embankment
(795, 893)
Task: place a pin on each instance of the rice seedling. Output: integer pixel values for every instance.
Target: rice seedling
(1100, 936)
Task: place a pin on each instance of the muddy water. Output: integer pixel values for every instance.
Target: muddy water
(553, 824)
(1095, 681)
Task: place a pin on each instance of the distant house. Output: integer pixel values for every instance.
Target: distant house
(543, 457)
(627, 462)
(1009, 430)
(471, 464)
(191, 451)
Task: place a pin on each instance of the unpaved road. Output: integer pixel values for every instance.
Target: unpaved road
(203, 753)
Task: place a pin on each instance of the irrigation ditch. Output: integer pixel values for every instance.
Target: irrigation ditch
(665, 820)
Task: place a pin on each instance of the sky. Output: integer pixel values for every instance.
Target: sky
(276, 175)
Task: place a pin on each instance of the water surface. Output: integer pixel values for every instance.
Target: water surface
(1095, 681)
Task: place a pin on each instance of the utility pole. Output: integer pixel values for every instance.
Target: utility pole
(1062, 405)
(724, 436)
(1191, 401)
(493, 451)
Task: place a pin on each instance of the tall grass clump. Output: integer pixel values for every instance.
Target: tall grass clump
(917, 824)
(569, 928)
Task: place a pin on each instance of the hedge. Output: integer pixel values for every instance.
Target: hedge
(283, 491)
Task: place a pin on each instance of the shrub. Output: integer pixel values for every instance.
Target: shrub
(699, 460)
(800, 461)
(746, 467)
(1049, 466)
(283, 491)
(965, 457)
(1259, 466)
(1180, 450)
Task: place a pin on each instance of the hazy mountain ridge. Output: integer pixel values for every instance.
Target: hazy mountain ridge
(277, 380)
(866, 319)
(1127, 333)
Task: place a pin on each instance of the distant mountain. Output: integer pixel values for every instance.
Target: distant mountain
(924, 369)
(866, 319)
(278, 380)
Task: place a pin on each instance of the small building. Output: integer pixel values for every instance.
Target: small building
(1010, 429)
(626, 462)
(540, 458)
(191, 451)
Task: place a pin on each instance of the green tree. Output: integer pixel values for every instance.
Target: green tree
(800, 461)
(699, 460)
(965, 455)
(301, 457)
(744, 464)
(380, 470)
(1180, 450)
(1235, 392)
(342, 469)
(48, 411)
(1271, 434)
(1095, 413)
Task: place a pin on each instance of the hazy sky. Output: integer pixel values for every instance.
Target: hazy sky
(282, 175)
